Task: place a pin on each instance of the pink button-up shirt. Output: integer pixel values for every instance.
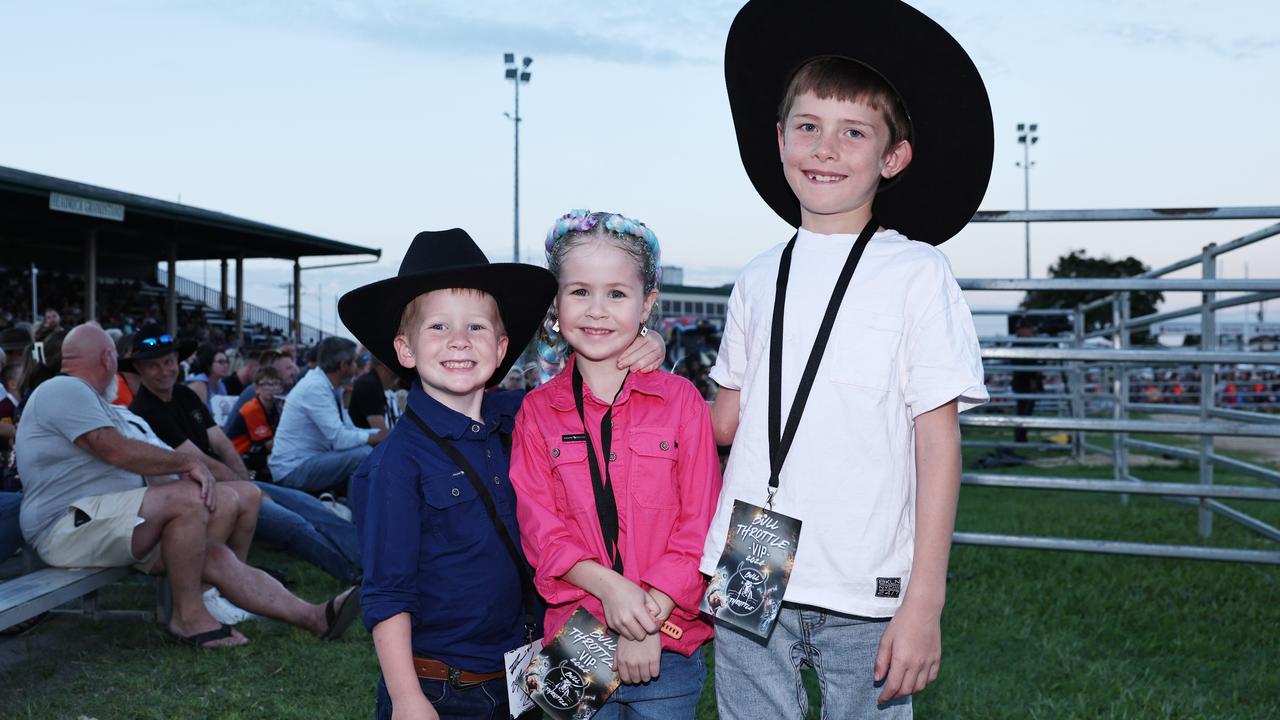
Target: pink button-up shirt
(666, 478)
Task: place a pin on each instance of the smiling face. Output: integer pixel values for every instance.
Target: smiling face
(158, 374)
(455, 340)
(601, 302)
(834, 154)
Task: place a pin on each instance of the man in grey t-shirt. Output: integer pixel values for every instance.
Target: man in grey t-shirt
(86, 504)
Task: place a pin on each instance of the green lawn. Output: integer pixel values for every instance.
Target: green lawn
(1026, 634)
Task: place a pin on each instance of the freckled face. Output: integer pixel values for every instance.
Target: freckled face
(601, 302)
(834, 154)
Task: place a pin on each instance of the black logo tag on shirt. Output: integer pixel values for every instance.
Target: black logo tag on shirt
(887, 587)
(579, 437)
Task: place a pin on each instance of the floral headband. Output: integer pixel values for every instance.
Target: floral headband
(584, 221)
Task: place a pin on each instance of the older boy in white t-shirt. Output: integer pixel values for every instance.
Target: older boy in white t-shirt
(874, 467)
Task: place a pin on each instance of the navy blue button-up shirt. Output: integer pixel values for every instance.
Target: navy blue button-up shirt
(428, 544)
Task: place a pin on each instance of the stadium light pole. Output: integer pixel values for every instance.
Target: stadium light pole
(1027, 137)
(517, 74)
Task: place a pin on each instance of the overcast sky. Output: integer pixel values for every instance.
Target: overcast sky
(368, 120)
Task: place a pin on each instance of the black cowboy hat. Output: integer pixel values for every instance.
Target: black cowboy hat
(448, 259)
(952, 134)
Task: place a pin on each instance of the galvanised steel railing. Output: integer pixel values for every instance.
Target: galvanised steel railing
(1104, 378)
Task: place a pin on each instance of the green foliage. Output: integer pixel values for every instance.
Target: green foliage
(1076, 264)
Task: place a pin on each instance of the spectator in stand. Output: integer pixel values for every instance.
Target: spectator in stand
(127, 380)
(317, 447)
(253, 426)
(283, 362)
(208, 369)
(52, 323)
(244, 367)
(373, 397)
(95, 497)
(291, 519)
(42, 360)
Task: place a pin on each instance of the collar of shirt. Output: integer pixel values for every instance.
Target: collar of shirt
(561, 389)
(498, 410)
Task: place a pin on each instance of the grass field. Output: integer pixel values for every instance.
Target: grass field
(1026, 634)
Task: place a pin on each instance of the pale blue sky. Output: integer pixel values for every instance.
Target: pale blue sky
(368, 120)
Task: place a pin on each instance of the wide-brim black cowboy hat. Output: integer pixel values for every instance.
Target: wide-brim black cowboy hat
(440, 260)
(952, 134)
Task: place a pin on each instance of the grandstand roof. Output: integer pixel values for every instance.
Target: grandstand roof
(43, 213)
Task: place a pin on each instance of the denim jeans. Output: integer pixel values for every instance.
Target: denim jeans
(673, 695)
(484, 701)
(10, 531)
(327, 471)
(755, 680)
(302, 525)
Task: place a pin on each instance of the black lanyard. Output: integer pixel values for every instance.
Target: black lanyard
(779, 441)
(601, 487)
(528, 595)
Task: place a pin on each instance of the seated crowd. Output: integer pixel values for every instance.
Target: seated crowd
(99, 429)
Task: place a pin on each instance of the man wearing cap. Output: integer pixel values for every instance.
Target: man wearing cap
(317, 447)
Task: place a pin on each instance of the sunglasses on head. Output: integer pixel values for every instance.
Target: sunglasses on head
(158, 340)
(363, 358)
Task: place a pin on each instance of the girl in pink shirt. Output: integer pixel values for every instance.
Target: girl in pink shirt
(616, 473)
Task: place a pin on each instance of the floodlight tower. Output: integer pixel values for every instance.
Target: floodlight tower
(1027, 137)
(517, 75)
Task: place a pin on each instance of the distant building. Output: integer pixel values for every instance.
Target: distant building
(686, 305)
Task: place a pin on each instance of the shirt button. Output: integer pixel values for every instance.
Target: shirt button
(555, 452)
(475, 428)
(613, 456)
(664, 445)
(488, 453)
(456, 492)
(497, 480)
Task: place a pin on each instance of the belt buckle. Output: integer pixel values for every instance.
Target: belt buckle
(455, 677)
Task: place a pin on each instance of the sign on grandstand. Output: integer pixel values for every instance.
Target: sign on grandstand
(85, 206)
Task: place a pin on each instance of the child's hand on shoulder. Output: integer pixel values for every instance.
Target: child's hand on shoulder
(910, 652)
(628, 609)
(638, 662)
(644, 354)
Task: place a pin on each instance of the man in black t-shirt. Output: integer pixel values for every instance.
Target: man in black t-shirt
(369, 407)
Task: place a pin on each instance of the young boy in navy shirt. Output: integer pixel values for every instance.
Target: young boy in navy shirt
(849, 350)
(446, 590)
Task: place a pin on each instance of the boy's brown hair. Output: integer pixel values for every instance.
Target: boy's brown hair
(849, 81)
(267, 372)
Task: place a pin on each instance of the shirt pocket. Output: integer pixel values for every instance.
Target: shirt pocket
(866, 343)
(571, 479)
(455, 514)
(653, 475)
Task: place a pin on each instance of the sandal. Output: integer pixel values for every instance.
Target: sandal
(199, 639)
(338, 619)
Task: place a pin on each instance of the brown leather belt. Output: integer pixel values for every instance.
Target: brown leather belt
(429, 669)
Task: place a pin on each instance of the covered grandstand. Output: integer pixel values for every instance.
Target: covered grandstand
(97, 235)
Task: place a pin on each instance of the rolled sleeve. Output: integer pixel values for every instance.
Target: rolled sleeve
(548, 544)
(389, 522)
(943, 361)
(676, 572)
(731, 360)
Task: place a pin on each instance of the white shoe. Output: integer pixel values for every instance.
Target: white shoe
(223, 610)
(332, 505)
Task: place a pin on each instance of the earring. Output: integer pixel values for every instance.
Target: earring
(643, 331)
(555, 326)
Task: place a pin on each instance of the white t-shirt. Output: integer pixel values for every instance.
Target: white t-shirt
(55, 471)
(903, 344)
